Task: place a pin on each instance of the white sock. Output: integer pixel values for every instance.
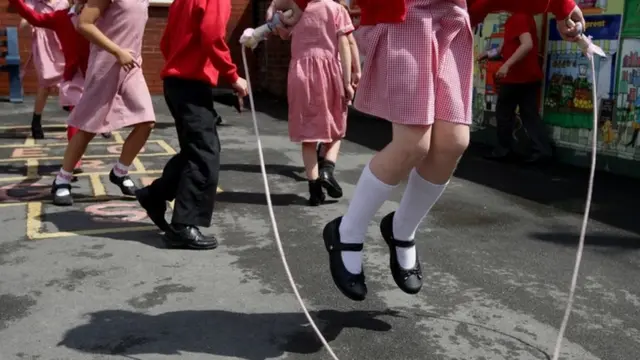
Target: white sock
(63, 177)
(418, 198)
(121, 170)
(368, 197)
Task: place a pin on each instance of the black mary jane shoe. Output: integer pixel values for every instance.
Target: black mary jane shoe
(351, 285)
(408, 280)
(316, 194)
(66, 200)
(188, 237)
(119, 182)
(328, 181)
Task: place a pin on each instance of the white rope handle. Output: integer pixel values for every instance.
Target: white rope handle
(585, 218)
(272, 215)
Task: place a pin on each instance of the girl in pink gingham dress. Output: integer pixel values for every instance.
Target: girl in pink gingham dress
(47, 58)
(319, 88)
(115, 91)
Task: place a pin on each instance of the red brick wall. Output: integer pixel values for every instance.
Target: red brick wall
(241, 18)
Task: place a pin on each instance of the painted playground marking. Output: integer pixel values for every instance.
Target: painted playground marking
(32, 190)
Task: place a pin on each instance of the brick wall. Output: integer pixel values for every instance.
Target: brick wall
(241, 18)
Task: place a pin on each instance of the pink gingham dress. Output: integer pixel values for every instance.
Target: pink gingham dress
(114, 98)
(420, 70)
(46, 52)
(317, 109)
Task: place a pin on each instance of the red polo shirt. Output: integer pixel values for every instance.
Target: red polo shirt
(193, 43)
(528, 69)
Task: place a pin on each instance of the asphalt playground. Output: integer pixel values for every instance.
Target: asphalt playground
(94, 281)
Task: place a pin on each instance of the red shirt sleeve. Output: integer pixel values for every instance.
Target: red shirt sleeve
(479, 9)
(35, 19)
(519, 24)
(213, 28)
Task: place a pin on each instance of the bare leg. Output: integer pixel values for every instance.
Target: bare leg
(76, 147)
(119, 175)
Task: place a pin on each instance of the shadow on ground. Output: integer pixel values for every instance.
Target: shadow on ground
(215, 332)
(593, 239)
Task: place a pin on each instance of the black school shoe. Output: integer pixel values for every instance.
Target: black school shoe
(351, 285)
(36, 130)
(66, 200)
(409, 281)
(327, 179)
(316, 194)
(119, 182)
(188, 237)
(154, 206)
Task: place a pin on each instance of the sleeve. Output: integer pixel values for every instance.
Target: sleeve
(519, 24)
(35, 19)
(479, 9)
(343, 22)
(213, 27)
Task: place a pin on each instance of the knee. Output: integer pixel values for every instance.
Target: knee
(146, 126)
(451, 144)
(413, 142)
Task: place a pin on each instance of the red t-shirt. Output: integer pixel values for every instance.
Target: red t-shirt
(528, 69)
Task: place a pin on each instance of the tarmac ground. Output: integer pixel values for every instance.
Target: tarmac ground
(94, 281)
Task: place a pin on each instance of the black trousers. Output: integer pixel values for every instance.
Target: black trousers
(524, 96)
(191, 176)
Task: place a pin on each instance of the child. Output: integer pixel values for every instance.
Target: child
(48, 60)
(327, 159)
(195, 52)
(418, 75)
(75, 49)
(319, 88)
(115, 92)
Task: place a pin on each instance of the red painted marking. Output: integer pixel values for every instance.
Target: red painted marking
(120, 210)
(29, 152)
(93, 164)
(27, 191)
(117, 149)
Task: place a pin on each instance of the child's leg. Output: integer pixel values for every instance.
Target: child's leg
(70, 132)
(310, 161)
(132, 145)
(427, 182)
(327, 166)
(38, 107)
(77, 146)
(384, 172)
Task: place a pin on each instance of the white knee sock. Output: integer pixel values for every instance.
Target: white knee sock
(418, 198)
(63, 177)
(368, 197)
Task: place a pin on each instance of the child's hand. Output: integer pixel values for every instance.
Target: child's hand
(355, 79)
(126, 60)
(349, 92)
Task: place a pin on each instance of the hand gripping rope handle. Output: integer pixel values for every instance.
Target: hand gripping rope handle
(588, 48)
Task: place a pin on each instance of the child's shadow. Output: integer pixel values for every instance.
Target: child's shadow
(216, 332)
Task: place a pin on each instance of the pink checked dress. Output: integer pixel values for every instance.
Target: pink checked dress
(317, 109)
(420, 70)
(114, 98)
(46, 53)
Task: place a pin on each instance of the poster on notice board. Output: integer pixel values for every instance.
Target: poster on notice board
(568, 95)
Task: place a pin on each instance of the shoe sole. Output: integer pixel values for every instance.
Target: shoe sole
(331, 191)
